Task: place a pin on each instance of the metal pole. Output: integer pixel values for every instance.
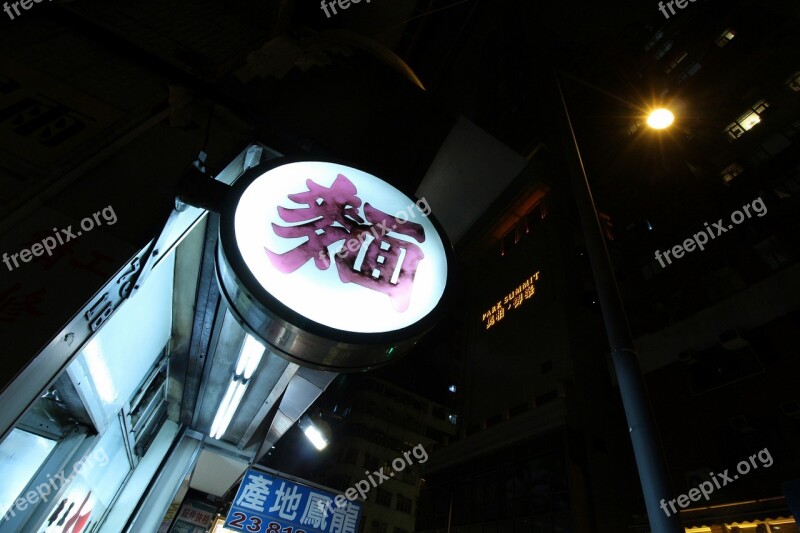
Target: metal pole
(646, 446)
(450, 513)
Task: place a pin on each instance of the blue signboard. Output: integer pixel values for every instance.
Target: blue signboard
(270, 504)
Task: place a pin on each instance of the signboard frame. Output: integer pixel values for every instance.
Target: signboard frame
(250, 521)
(293, 335)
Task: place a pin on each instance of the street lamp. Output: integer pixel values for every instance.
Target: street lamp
(660, 118)
(641, 426)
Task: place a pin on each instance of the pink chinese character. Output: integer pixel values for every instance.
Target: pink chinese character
(326, 207)
(388, 264)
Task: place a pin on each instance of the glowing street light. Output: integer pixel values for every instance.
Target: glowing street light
(660, 118)
(316, 430)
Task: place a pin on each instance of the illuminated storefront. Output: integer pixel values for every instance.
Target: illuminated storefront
(103, 429)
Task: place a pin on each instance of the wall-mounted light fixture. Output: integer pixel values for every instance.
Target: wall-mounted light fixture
(315, 431)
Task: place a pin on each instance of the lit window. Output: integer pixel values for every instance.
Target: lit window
(761, 106)
(734, 131)
(747, 121)
(794, 82)
(726, 37)
(731, 172)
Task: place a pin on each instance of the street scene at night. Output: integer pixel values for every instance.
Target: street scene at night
(395, 266)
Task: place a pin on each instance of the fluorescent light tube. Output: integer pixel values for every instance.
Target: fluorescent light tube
(223, 407)
(252, 365)
(235, 401)
(249, 356)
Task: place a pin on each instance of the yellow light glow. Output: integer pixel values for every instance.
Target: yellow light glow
(660, 118)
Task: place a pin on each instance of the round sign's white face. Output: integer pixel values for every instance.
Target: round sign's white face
(341, 247)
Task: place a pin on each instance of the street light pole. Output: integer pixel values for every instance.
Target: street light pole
(646, 445)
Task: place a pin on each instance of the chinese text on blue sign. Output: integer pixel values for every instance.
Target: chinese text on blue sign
(266, 503)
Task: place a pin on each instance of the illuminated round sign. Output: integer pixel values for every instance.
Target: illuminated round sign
(330, 265)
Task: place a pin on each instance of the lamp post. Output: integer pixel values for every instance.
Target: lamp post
(646, 445)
